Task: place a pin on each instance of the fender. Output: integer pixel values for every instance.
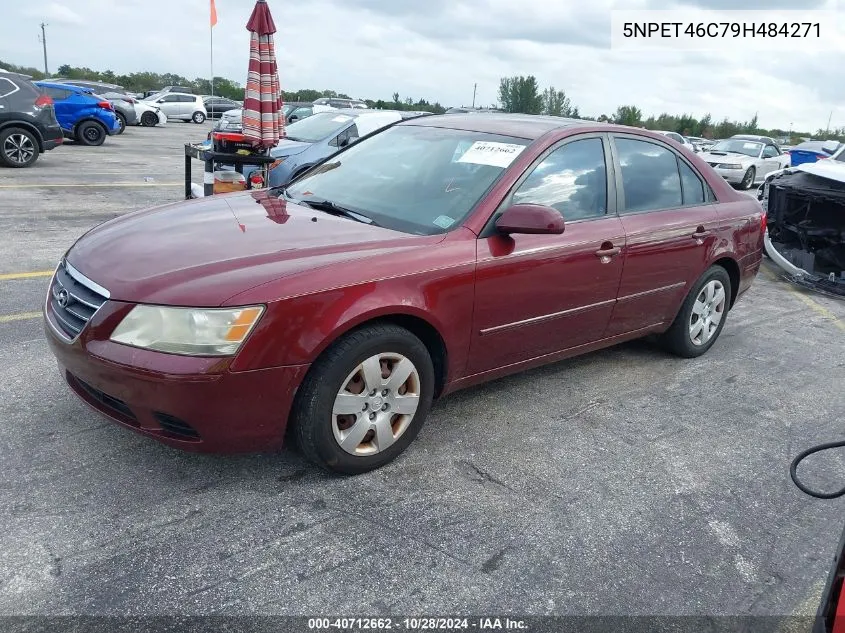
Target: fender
(295, 331)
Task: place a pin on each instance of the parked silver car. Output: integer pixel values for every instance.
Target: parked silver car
(744, 159)
(180, 105)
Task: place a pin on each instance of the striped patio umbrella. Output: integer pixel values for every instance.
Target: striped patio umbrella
(263, 123)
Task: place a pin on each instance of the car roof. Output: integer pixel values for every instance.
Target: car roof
(61, 86)
(91, 82)
(527, 126)
(755, 137)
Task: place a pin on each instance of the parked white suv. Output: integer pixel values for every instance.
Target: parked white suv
(180, 105)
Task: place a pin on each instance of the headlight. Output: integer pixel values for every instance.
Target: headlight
(277, 162)
(188, 331)
(729, 166)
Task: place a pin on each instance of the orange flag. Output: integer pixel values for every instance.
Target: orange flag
(213, 13)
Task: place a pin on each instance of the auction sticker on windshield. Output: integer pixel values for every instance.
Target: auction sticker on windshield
(492, 154)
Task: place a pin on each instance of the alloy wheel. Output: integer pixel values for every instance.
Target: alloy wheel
(376, 404)
(707, 312)
(19, 148)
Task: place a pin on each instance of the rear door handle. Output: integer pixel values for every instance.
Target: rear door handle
(700, 233)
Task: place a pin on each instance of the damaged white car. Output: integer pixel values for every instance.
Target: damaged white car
(805, 210)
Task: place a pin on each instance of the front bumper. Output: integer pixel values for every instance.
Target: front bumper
(834, 287)
(733, 176)
(192, 403)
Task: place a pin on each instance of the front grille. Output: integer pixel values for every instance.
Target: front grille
(73, 300)
(176, 426)
(107, 402)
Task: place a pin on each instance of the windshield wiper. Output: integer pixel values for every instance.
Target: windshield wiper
(328, 206)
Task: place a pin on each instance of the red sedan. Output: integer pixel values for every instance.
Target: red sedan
(437, 254)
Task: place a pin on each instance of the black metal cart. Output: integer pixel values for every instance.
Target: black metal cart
(211, 158)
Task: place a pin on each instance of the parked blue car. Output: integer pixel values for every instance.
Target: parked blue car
(84, 117)
(811, 151)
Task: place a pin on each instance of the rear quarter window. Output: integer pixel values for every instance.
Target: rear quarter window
(7, 87)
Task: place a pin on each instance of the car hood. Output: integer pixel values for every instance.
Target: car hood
(724, 157)
(286, 147)
(203, 252)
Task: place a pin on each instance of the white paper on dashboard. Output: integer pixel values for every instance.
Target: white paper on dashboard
(493, 154)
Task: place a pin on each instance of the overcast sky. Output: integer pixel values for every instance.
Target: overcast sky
(437, 49)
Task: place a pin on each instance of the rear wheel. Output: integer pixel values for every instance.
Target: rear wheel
(90, 133)
(121, 120)
(198, 117)
(702, 315)
(149, 119)
(18, 147)
(364, 400)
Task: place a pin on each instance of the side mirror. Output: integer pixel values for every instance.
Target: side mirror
(532, 219)
(830, 147)
(344, 141)
(292, 118)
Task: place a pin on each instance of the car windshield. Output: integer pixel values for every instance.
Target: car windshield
(738, 146)
(316, 128)
(421, 180)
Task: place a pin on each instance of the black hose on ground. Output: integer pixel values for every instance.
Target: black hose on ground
(793, 470)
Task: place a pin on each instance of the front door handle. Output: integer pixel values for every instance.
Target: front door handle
(607, 251)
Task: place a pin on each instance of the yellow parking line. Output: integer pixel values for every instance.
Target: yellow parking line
(818, 308)
(21, 316)
(30, 275)
(104, 184)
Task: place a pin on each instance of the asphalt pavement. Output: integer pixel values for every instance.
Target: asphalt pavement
(623, 482)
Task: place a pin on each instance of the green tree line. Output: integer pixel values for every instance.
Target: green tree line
(516, 94)
(523, 94)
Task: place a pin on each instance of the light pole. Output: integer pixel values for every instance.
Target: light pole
(44, 44)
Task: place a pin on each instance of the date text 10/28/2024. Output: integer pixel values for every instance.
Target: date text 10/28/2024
(417, 624)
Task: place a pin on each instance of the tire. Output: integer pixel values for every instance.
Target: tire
(679, 338)
(18, 147)
(748, 179)
(90, 133)
(149, 119)
(122, 121)
(198, 117)
(340, 372)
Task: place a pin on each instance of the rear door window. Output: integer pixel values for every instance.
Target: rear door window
(650, 176)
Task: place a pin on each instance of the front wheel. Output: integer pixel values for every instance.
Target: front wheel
(149, 119)
(702, 315)
(90, 133)
(198, 117)
(748, 179)
(364, 400)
